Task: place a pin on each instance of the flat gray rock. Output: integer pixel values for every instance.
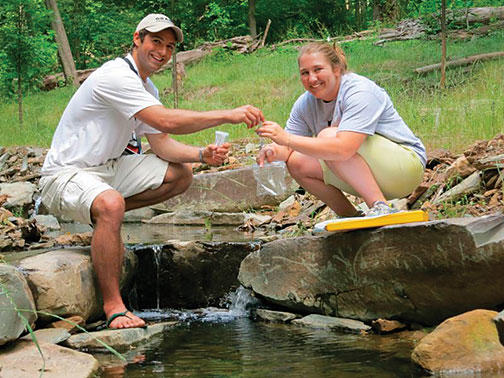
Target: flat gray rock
(119, 339)
(199, 218)
(20, 193)
(48, 221)
(48, 335)
(23, 360)
(329, 322)
(275, 316)
(233, 190)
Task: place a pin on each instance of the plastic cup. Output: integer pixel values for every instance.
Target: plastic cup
(220, 137)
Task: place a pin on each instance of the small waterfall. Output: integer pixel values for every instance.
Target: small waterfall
(241, 302)
(36, 206)
(157, 249)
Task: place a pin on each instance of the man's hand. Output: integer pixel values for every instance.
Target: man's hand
(247, 114)
(216, 155)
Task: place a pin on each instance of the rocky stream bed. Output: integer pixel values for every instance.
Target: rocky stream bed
(447, 271)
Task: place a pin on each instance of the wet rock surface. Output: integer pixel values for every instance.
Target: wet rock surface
(119, 339)
(332, 323)
(23, 360)
(420, 273)
(188, 274)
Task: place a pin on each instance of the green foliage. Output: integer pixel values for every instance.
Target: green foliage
(469, 108)
(26, 50)
(98, 30)
(221, 20)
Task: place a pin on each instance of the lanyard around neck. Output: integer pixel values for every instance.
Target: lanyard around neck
(131, 66)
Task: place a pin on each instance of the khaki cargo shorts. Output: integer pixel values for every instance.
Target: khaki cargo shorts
(397, 169)
(71, 193)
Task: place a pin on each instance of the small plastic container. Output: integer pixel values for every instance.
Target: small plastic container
(220, 137)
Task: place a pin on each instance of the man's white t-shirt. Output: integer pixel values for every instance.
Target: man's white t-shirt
(98, 122)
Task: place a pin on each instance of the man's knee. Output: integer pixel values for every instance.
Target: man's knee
(179, 176)
(109, 204)
(187, 175)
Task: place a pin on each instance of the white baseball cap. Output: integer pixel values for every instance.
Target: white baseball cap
(156, 22)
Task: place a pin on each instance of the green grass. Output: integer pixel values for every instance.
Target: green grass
(471, 107)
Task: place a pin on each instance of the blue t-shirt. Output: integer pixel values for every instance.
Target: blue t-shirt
(361, 106)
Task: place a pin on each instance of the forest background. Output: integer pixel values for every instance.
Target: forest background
(101, 30)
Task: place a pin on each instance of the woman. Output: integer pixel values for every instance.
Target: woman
(344, 135)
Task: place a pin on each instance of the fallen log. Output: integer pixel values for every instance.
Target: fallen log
(460, 62)
(186, 57)
(340, 39)
(472, 15)
(51, 81)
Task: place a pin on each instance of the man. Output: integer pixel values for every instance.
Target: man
(87, 177)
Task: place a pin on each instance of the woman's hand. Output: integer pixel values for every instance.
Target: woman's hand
(216, 155)
(275, 132)
(272, 152)
(267, 153)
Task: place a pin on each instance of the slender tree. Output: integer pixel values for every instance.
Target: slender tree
(64, 51)
(443, 44)
(252, 18)
(26, 54)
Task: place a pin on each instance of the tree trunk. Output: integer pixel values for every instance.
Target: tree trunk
(251, 18)
(443, 44)
(63, 46)
(174, 79)
(20, 100)
(19, 88)
(78, 13)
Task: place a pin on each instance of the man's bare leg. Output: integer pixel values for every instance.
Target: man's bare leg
(307, 172)
(107, 249)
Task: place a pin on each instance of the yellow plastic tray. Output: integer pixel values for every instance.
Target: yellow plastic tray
(377, 221)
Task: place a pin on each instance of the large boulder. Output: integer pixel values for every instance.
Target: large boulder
(63, 282)
(16, 302)
(419, 272)
(233, 190)
(467, 343)
(188, 274)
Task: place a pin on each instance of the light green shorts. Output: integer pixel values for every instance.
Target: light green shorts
(71, 193)
(397, 169)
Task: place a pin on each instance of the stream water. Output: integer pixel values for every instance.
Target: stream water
(227, 343)
(240, 347)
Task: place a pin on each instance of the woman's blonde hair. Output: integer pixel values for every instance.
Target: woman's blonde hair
(334, 54)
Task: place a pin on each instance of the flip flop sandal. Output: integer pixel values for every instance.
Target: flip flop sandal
(117, 315)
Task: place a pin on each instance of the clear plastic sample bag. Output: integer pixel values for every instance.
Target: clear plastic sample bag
(270, 178)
